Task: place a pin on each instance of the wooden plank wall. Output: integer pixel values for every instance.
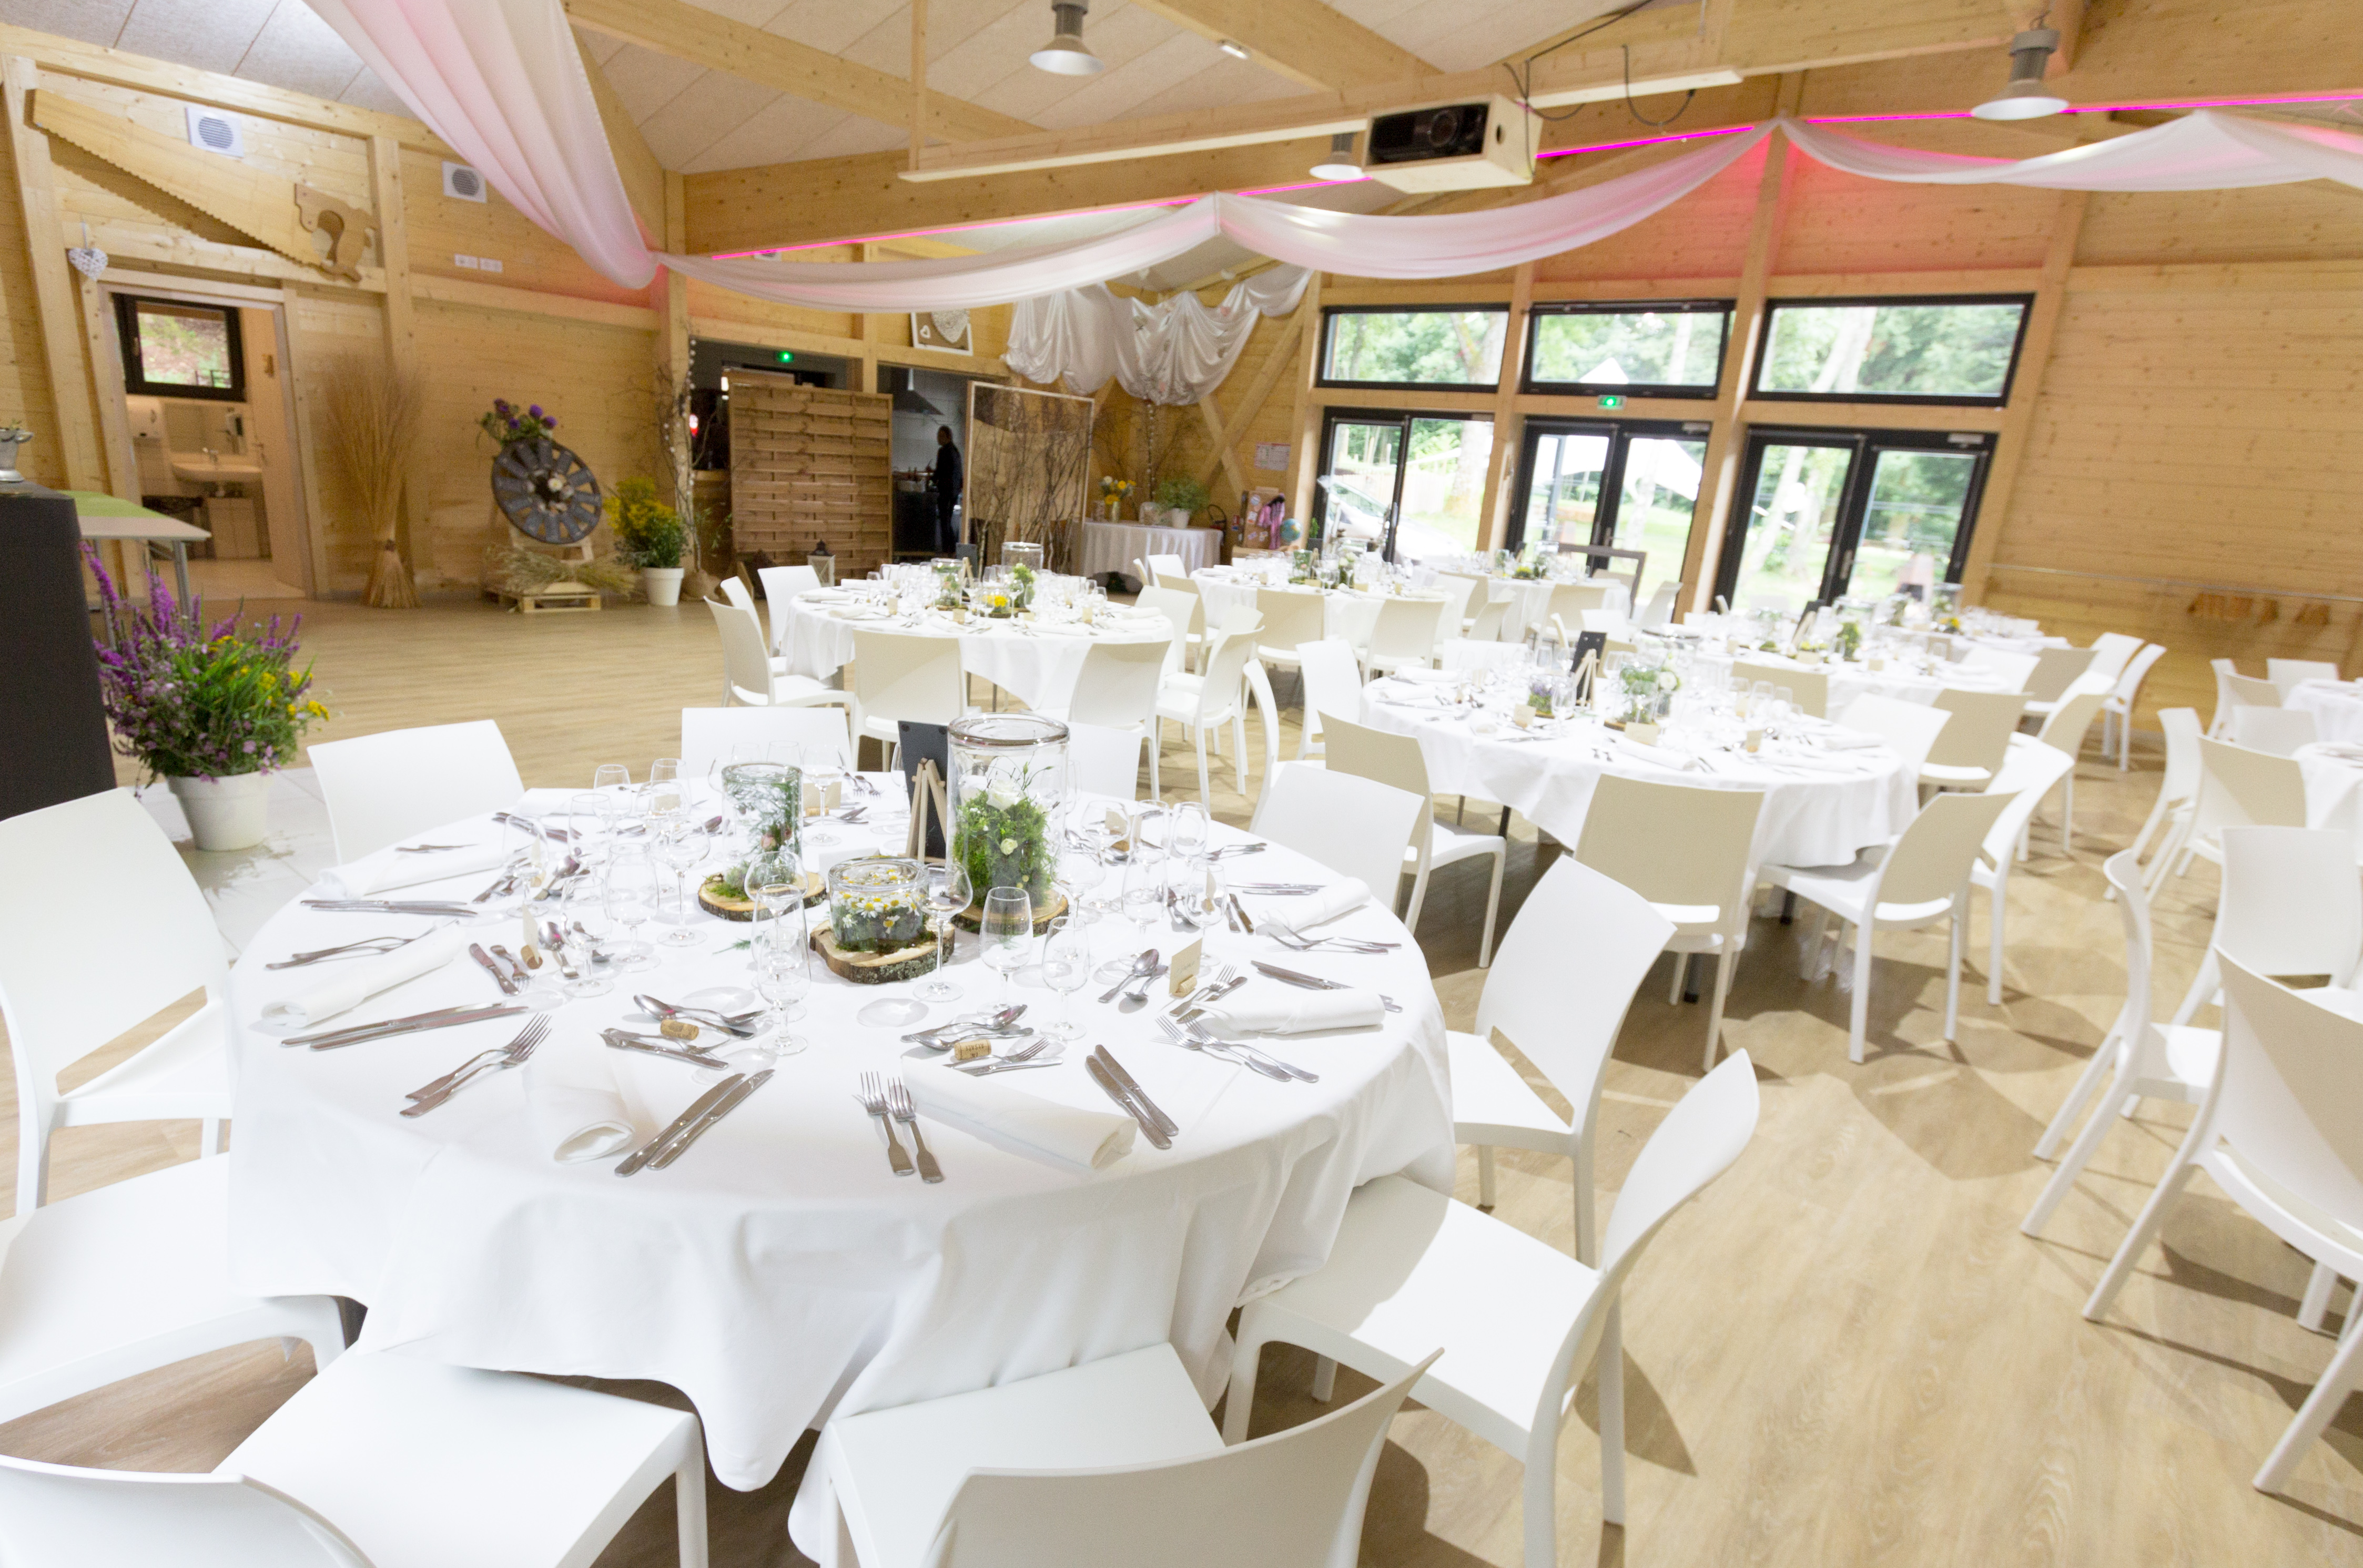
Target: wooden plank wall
(808, 465)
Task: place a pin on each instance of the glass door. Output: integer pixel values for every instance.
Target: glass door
(1408, 482)
(1564, 469)
(1632, 486)
(1920, 503)
(1838, 513)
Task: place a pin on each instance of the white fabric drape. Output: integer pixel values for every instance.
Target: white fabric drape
(2205, 150)
(1175, 352)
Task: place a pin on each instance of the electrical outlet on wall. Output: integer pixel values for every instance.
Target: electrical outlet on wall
(478, 263)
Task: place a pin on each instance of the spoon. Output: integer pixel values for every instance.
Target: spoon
(723, 1021)
(1142, 968)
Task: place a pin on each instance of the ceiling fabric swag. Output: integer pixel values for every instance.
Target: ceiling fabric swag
(2205, 150)
(1173, 352)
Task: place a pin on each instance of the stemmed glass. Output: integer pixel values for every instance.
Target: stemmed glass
(631, 885)
(1144, 893)
(775, 885)
(1185, 838)
(948, 892)
(587, 832)
(1005, 932)
(784, 978)
(1066, 965)
(680, 848)
(587, 927)
(1199, 894)
(822, 766)
(610, 776)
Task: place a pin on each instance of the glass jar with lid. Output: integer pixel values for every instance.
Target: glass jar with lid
(1007, 794)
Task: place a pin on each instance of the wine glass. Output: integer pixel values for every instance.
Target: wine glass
(587, 930)
(586, 831)
(1005, 932)
(784, 978)
(822, 767)
(1144, 893)
(1185, 836)
(610, 776)
(1066, 965)
(948, 892)
(631, 886)
(679, 847)
(775, 884)
(1198, 895)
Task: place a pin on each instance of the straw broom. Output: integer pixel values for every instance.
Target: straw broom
(371, 417)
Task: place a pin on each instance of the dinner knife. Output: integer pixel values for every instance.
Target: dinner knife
(417, 1026)
(1316, 983)
(500, 977)
(344, 1029)
(1240, 909)
(704, 1123)
(681, 1123)
(1132, 1087)
(1124, 1102)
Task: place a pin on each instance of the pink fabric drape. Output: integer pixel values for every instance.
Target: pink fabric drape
(2205, 150)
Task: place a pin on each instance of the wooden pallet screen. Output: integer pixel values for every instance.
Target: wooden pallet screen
(809, 464)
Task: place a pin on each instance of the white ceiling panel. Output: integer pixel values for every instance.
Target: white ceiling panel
(366, 92)
(297, 50)
(646, 82)
(91, 21)
(782, 132)
(709, 109)
(854, 135)
(213, 36)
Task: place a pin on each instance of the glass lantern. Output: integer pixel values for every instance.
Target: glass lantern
(1854, 622)
(1006, 795)
(1646, 683)
(1945, 605)
(768, 798)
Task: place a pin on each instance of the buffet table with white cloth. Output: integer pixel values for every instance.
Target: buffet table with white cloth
(2336, 707)
(1035, 662)
(1103, 548)
(781, 1271)
(1822, 803)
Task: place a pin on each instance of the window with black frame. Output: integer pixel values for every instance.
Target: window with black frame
(173, 349)
(1951, 350)
(1454, 347)
(1640, 349)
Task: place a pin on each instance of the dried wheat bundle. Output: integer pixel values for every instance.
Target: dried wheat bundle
(370, 419)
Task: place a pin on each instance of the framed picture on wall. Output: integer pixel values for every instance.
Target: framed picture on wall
(944, 329)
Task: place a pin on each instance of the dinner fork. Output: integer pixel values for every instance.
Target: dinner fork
(528, 1040)
(898, 1100)
(1195, 1037)
(368, 946)
(1288, 936)
(873, 1095)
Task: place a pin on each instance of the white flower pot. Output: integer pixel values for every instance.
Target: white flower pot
(225, 813)
(662, 584)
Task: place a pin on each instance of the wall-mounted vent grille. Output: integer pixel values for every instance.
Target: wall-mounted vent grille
(462, 184)
(215, 132)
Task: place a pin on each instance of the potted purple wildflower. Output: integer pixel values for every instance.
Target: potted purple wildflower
(213, 711)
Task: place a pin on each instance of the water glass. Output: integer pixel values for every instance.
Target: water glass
(587, 931)
(948, 892)
(784, 978)
(1006, 933)
(610, 776)
(587, 836)
(1066, 966)
(1200, 896)
(631, 889)
(680, 848)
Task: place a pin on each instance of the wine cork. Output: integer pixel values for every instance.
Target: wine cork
(677, 1029)
(971, 1050)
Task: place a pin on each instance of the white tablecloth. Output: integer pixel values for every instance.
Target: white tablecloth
(2336, 707)
(778, 1271)
(1816, 818)
(1902, 681)
(1114, 546)
(1037, 666)
(2333, 789)
(1349, 612)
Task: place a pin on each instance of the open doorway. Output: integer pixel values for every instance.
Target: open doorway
(211, 434)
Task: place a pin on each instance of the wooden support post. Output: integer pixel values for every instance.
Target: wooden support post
(116, 453)
(1219, 437)
(1501, 467)
(2027, 389)
(918, 81)
(54, 288)
(401, 332)
(1303, 462)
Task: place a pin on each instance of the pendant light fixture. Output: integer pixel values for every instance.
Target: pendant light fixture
(1065, 54)
(1339, 163)
(2025, 98)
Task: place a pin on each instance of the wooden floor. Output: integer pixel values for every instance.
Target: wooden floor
(1845, 1353)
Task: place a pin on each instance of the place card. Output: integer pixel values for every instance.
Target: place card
(1184, 978)
(1646, 734)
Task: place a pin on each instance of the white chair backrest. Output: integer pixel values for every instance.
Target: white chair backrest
(1365, 753)
(2136, 671)
(1672, 844)
(1485, 626)
(2291, 903)
(1291, 615)
(2124, 873)
(2182, 732)
(1169, 570)
(1458, 590)
(2069, 721)
(1931, 860)
(92, 876)
(2224, 669)
(1570, 600)
(1810, 688)
(2289, 1092)
(1185, 611)
(2239, 787)
(57, 1515)
(1119, 683)
(1232, 646)
(780, 586)
(1103, 761)
(2111, 652)
(2248, 691)
(708, 734)
(385, 787)
(1355, 827)
(2054, 670)
(1659, 609)
(2280, 731)
(745, 663)
(2026, 774)
(2011, 670)
(1333, 681)
(1908, 728)
(1292, 1499)
(734, 591)
(1980, 728)
(1406, 630)
(1566, 972)
(2286, 673)
(900, 675)
(1258, 681)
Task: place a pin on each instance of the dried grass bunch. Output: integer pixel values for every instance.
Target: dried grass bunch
(371, 418)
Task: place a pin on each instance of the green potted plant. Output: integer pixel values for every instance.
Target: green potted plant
(650, 535)
(1185, 496)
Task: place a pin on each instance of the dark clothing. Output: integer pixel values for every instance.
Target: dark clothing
(945, 480)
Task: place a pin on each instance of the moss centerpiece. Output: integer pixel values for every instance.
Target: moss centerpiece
(1007, 797)
(877, 931)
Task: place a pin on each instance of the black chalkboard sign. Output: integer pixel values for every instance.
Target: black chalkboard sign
(925, 743)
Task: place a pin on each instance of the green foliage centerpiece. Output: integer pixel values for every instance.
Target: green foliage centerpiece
(877, 932)
(1007, 795)
(768, 798)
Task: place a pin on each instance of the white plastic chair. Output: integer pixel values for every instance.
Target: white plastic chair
(382, 788)
(1908, 729)
(735, 593)
(1404, 635)
(2281, 1132)
(1810, 688)
(1521, 1321)
(2280, 731)
(1291, 615)
(381, 1460)
(2219, 724)
(1573, 961)
(1203, 704)
(1687, 850)
(2056, 670)
(1186, 613)
(1485, 625)
(1968, 752)
(1570, 600)
(2065, 730)
(1458, 590)
(2288, 674)
(1397, 760)
(2177, 788)
(1355, 827)
(780, 586)
(1331, 682)
(1103, 761)
(2028, 771)
(2289, 905)
(708, 734)
(1118, 689)
(2238, 787)
(751, 676)
(100, 929)
(2111, 651)
(900, 676)
(2119, 708)
(1167, 570)
(126, 1278)
(1921, 878)
(1114, 1460)
(1259, 687)
(2011, 670)
(1659, 609)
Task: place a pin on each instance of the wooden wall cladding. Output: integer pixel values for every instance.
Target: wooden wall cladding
(809, 464)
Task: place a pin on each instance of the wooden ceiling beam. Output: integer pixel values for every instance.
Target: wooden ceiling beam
(702, 38)
(643, 175)
(1301, 39)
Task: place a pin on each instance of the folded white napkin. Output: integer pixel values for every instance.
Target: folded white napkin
(1839, 738)
(1653, 754)
(1339, 898)
(2344, 751)
(389, 869)
(571, 1100)
(348, 984)
(1289, 1010)
(1062, 629)
(1428, 677)
(1028, 1124)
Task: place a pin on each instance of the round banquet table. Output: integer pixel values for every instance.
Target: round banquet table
(1351, 614)
(2333, 771)
(1035, 662)
(1347, 613)
(780, 1273)
(2336, 707)
(1822, 805)
(1847, 681)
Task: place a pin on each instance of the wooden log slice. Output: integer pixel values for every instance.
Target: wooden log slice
(711, 898)
(873, 969)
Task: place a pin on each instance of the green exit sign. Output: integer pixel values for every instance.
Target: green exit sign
(788, 358)
(1611, 400)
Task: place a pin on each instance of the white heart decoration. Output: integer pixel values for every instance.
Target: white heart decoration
(88, 259)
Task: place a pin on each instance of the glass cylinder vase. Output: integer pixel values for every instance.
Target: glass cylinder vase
(1007, 794)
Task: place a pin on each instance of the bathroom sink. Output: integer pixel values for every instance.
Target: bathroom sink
(198, 468)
